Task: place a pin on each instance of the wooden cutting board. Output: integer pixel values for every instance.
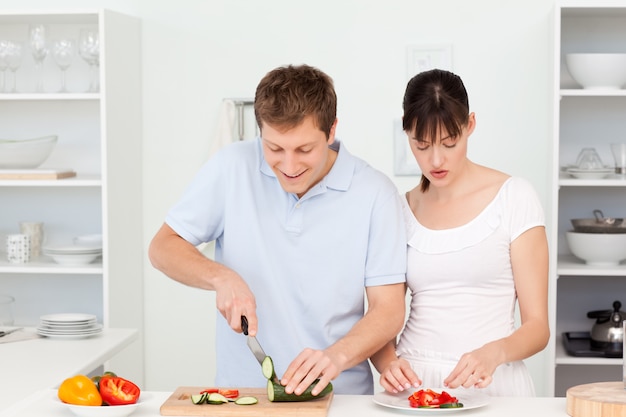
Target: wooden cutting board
(599, 399)
(36, 174)
(179, 404)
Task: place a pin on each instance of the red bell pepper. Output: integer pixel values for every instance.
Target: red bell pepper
(209, 391)
(430, 398)
(229, 393)
(118, 391)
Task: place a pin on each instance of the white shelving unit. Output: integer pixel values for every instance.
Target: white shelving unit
(584, 118)
(100, 138)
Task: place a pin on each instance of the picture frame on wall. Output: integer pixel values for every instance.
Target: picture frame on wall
(426, 57)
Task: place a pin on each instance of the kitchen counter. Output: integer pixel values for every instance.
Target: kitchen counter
(46, 404)
(29, 366)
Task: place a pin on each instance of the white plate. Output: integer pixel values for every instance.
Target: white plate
(469, 398)
(44, 325)
(68, 318)
(590, 174)
(68, 335)
(96, 328)
(76, 249)
(107, 411)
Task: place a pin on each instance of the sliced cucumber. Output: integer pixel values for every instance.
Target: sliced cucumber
(216, 398)
(451, 405)
(276, 392)
(267, 367)
(246, 400)
(198, 398)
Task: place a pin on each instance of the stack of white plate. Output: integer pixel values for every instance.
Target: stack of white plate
(68, 325)
(73, 254)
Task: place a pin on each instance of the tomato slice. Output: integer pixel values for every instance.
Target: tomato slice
(229, 393)
(118, 391)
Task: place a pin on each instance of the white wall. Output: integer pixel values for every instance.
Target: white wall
(197, 52)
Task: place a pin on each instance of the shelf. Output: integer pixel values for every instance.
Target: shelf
(49, 267)
(79, 181)
(79, 16)
(49, 96)
(613, 180)
(579, 92)
(562, 358)
(570, 265)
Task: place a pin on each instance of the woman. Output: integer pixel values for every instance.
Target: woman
(477, 244)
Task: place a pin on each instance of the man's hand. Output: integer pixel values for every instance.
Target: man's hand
(308, 366)
(234, 299)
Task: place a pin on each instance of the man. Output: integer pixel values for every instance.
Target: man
(301, 228)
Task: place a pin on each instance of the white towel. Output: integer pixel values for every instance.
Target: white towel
(225, 129)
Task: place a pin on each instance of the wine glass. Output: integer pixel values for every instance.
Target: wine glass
(4, 63)
(63, 51)
(14, 60)
(89, 50)
(39, 50)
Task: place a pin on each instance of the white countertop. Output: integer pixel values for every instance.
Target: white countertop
(29, 366)
(46, 404)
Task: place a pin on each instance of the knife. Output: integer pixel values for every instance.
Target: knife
(254, 344)
(6, 332)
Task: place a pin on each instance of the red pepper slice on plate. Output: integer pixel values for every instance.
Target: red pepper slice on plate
(229, 393)
(118, 391)
(430, 398)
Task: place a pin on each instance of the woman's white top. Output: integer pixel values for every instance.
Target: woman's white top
(462, 289)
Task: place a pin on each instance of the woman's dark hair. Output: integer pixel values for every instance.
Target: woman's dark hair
(434, 100)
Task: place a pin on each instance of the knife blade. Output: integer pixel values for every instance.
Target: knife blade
(7, 332)
(253, 344)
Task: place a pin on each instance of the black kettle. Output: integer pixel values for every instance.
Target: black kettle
(607, 333)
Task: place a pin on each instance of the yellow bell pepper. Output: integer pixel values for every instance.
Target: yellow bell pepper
(79, 390)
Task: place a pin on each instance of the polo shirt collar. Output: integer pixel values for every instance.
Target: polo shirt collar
(338, 178)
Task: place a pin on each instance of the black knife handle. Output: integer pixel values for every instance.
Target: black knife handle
(244, 325)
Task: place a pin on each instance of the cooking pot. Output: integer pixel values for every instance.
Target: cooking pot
(607, 333)
(599, 224)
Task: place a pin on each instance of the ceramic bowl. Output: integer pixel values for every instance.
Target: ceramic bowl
(600, 249)
(74, 258)
(106, 410)
(603, 71)
(25, 153)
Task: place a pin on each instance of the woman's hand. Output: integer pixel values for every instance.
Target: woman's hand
(398, 376)
(476, 368)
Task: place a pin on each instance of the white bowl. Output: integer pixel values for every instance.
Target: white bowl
(602, 71)
(25, 153)
(600, 249)
(89, 240)
(106, 410)
(74, 258)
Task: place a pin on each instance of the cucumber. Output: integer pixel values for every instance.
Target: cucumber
(267, 367)
(198, 398)
(216, 398)
(451, 405)
(246, 400)
(276, 392)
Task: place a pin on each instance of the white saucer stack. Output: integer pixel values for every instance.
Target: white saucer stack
(68, 326)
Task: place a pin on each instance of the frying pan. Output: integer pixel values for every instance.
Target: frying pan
(599, 224)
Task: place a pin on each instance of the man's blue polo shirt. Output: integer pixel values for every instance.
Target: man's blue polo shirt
(306, 260)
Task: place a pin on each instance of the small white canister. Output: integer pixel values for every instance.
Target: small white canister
(18, 248)
(35, 231)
